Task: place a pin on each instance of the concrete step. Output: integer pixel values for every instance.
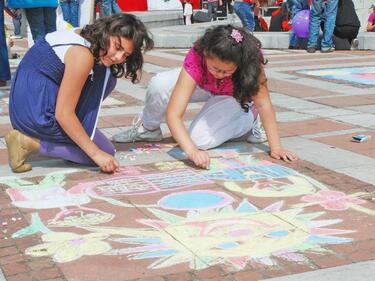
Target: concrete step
(181, 36)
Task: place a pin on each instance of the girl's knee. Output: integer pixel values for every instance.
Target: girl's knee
(202, 139)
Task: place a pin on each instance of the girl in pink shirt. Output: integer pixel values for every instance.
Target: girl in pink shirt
(371, 21)
(225, 69)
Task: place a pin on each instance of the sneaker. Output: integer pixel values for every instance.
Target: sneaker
(257, 133)
(311, 50)
(329, 50)
(355, 44)
(138, 133)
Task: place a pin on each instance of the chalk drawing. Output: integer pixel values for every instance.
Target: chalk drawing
(195, 200)
(362, 75)
(226, 236)
(67, 246)
(54, 197)
(46, 194)
(36, 226)
(336, 201)
(142, 184)
(291, 187)
(169, 166)
(80, 216)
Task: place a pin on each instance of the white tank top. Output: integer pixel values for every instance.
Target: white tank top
(64, 39)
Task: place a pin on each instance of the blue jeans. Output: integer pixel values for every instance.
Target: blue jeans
(320, 12)
(41, 21)
(108, 7)
(17, 22)
(245, 12)
(212, 10)
(4, 62)
(70, 9)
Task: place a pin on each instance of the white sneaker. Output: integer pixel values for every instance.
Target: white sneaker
(355, 44)
(257, 133)
(138, 133)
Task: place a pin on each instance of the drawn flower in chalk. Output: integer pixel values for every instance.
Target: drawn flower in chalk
(67, 246)
(226, 236)
(332, 200)
(80, 216)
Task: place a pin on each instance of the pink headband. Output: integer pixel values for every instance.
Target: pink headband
(236, 35)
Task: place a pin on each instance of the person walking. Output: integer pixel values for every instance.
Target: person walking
(4, 62)
(322, 10)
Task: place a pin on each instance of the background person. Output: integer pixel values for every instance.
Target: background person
(4, 62)
(322, 10)
(371, 21)
(70, 10)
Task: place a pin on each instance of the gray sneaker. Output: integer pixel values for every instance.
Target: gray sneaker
(138, 133)
(257, 133)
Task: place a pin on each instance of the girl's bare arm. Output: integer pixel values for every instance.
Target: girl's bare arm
(78, 64)
(180, 98)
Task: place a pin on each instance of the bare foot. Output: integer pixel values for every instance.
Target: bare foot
(20, 147)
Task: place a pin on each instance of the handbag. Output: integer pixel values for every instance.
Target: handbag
(32, 3)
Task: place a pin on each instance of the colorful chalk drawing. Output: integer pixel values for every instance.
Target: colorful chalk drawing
(141, 184)
(226, 236)
(207, 227)
(362, 75)
(46, 194)
(67, 246)
(335, 201)
(80, 216)
(195, 200)
(262, 178)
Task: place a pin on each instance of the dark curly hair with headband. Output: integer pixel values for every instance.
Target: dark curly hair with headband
(217, 42)
(121, 26)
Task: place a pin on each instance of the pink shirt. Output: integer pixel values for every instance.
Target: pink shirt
(371, 18)
(193, 66)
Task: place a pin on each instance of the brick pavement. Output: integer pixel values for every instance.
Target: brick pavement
(248, 218)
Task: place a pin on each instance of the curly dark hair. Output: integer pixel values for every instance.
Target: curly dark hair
(123, 26)
(217, 42)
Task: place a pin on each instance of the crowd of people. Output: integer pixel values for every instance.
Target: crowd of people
(54, 106)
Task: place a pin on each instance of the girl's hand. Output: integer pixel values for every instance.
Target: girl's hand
(286, 155)
(200, 158)
(106, 162)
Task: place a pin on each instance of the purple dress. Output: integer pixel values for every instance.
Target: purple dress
(33, 96)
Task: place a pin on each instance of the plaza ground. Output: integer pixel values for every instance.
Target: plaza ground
(249, 217)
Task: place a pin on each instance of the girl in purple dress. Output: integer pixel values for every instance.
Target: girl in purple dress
(60, 84)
